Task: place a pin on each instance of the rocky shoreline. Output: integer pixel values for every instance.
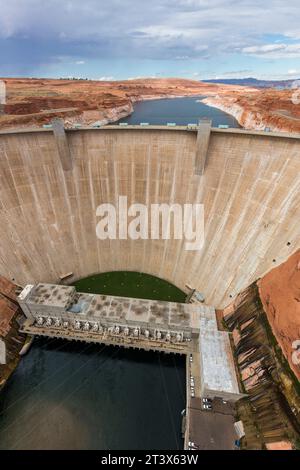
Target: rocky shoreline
(113, 115)
(247, 119)
(260, 110)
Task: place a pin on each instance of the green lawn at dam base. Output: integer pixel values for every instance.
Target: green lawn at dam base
(131, 284)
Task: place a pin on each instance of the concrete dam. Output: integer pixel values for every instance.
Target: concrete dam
(53, 182)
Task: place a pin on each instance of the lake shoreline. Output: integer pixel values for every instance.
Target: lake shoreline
(180, 110)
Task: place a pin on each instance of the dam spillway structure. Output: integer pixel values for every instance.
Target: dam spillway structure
(53, 180)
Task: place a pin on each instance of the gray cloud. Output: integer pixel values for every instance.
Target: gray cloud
(274, 51)
(34, 32)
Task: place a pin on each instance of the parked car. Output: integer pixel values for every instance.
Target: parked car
(206, 406)
(191, 357)
(206, 400)
(192, 446)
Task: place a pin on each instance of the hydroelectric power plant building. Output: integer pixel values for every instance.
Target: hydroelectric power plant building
(59, 311)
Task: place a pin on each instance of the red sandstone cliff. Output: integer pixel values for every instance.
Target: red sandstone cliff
(280, 294)
(279, 291)
(258, 109)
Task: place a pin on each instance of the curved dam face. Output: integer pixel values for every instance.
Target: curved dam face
(249, 188)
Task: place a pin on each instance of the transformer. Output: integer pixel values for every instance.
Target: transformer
(179, 337)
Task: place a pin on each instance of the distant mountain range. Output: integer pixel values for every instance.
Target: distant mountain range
(253, 82)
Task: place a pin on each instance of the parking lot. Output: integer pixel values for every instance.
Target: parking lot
(211, 430)
(211, 423)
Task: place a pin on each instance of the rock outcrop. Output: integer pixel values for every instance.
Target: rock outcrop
(10, 313)
(277, 110)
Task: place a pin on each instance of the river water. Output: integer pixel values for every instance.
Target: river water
(72, 395)
(181, 111)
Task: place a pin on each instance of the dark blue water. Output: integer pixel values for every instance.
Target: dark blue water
(71, 395)
(182, 111)
(68, 395)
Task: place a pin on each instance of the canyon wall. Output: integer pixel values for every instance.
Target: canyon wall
(250, 192)
(277, 110)
(11, 341)
(271, 409)
(280, 294)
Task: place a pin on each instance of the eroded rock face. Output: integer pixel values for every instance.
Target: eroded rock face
(269, 412)
(278, 110)
(280, 295)
(10, 338)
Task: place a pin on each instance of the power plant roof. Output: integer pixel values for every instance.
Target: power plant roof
(51, 295)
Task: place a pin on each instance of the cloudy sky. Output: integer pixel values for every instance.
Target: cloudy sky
(118, 39)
